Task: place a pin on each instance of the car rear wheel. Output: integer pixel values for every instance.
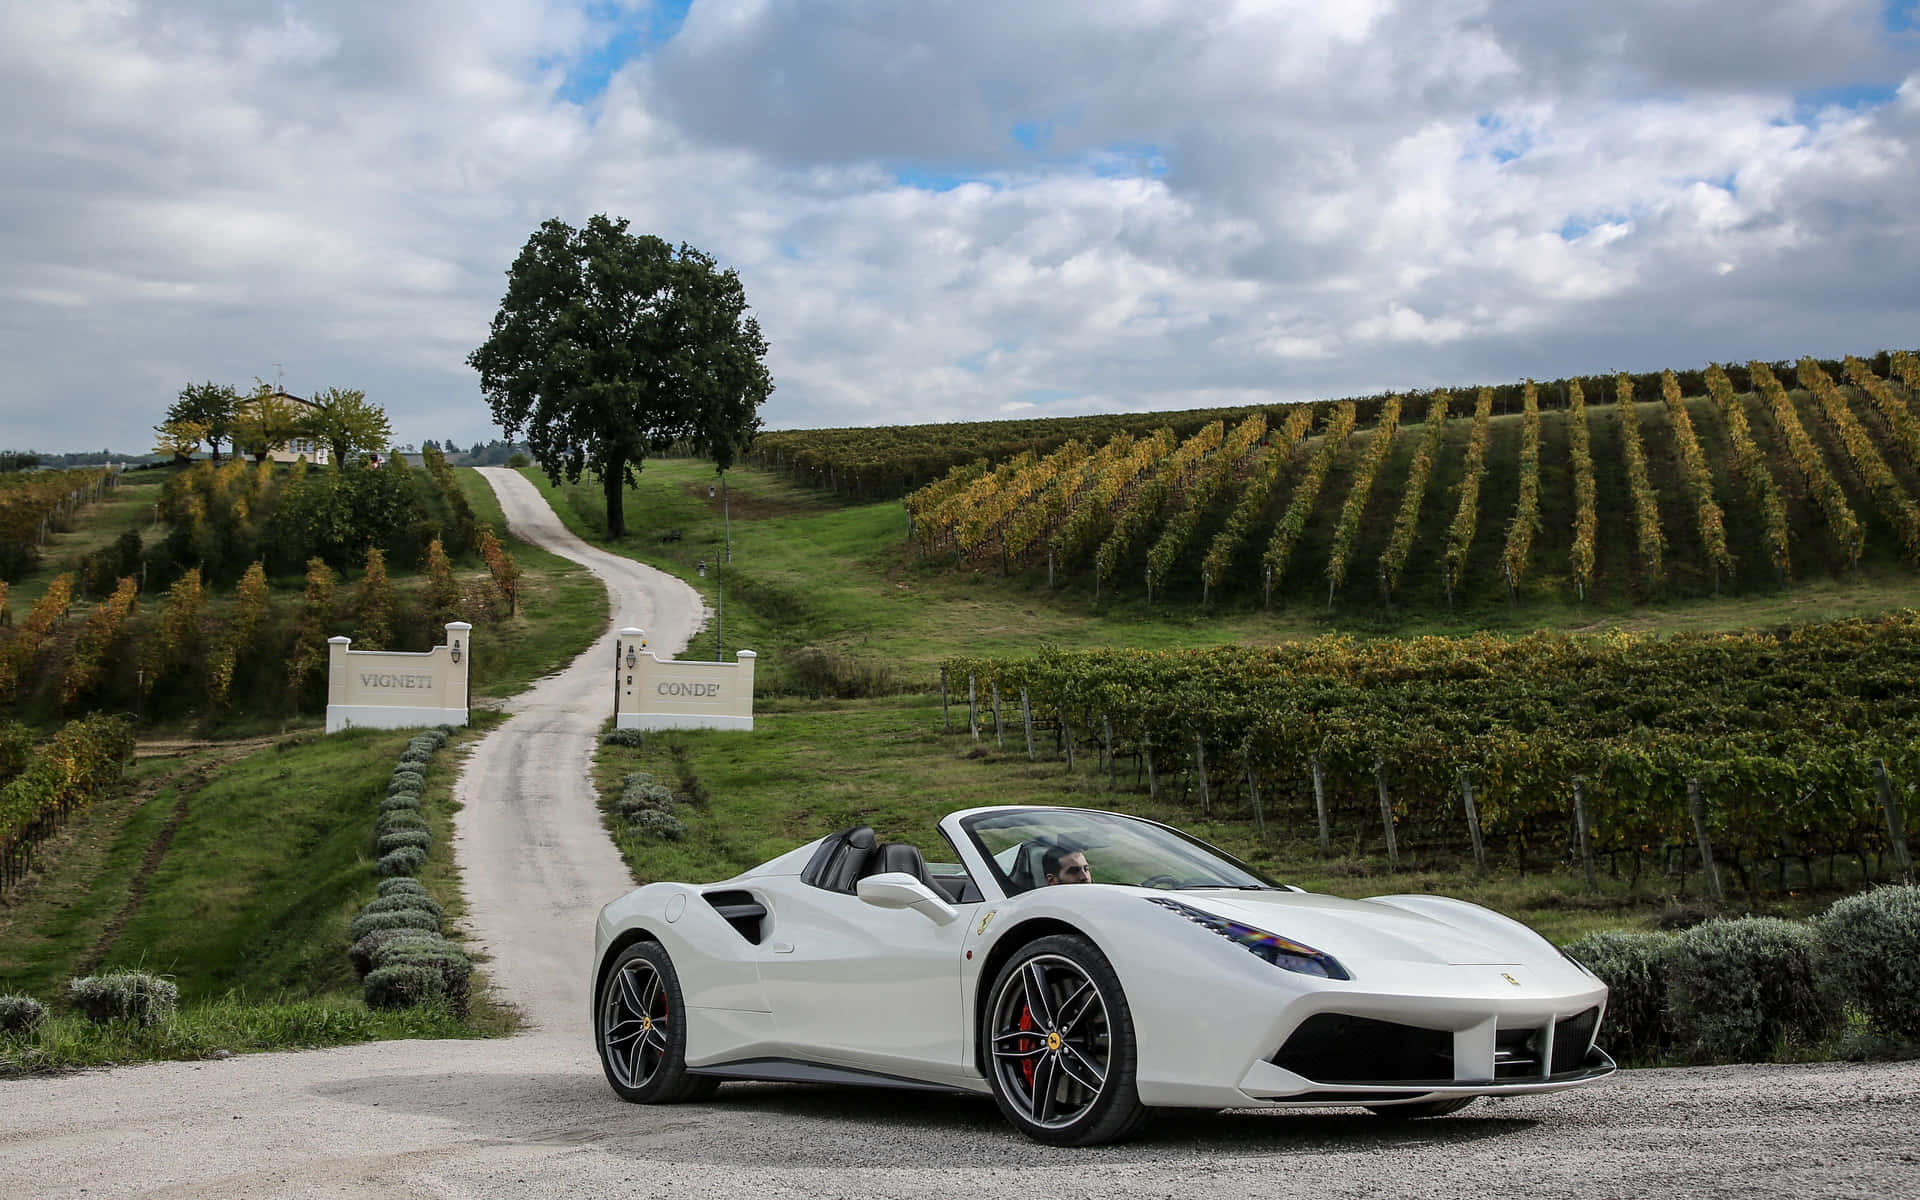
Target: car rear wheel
(638, 1025)
(1426, 1108)
(1060, 1045)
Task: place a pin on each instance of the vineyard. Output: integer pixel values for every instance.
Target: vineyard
(1550, 740)
(1625, 489)
(35, 503)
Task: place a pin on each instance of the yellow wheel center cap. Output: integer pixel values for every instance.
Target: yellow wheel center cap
(1053, 1041)
(646, 1024)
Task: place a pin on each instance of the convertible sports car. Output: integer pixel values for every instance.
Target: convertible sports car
(1161, 973)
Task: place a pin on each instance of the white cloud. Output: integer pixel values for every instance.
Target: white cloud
(954, 210)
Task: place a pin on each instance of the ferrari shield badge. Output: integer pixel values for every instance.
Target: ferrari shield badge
(1510, 979)
(986, 919)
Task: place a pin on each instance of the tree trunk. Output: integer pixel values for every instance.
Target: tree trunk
(613, 483)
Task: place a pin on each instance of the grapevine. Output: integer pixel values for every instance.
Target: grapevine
(104, 628)
(1287, 533)
(1254, 498)
(1713, 531)
(17, 655)
(1646, 508)
(1200, 498)
(1467, 515)
(1842, 526)
(1400, 542)
(1585, 517)
(1752, 467)
(1526, 510)
(1379, 446)
(1879, 478)
(1899, 418)
(1152, 497)
(1090, 517)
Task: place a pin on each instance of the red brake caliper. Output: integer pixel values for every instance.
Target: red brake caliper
(1026, 1044)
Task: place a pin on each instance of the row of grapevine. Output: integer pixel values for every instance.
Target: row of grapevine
(1069, 467)
(1586, 518)
(942, 525)
(1648, 535)
(1087, 524)
(922, 504)
(1253, 499)
(1526, 511)
(1300, 508)
(1895, 504)
(1907, 367)
(1848, 535)
(1900, 420)
(1200, 498)
(1137, 516)
(1713, 531)
(1400, 542)
(1752, 468)
(34, 503)
(75, 767)
(1779, 727)
(1379, 445)
(1466, 517)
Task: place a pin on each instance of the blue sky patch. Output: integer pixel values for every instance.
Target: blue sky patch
(1853, 96)
(625, 37)
(1903, 16)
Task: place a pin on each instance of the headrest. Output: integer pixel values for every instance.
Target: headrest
(899, 856)
(861, 838)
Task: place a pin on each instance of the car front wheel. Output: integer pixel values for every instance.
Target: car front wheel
(1060, 1044)
(638, 1024)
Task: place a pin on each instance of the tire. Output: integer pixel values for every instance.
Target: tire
(643, 1048)
(1062, 1070)
(1427, 1108)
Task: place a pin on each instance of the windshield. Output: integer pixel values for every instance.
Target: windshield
(1030, 847)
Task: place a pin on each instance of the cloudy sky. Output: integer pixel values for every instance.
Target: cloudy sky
(957, 210)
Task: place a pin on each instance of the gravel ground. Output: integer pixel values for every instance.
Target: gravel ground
(531, 1116)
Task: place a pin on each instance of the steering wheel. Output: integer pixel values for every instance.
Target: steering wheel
(1163, 881)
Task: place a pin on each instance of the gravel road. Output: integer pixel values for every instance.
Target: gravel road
(531, 1116)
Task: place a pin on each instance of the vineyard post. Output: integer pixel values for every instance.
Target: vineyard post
(1896, 831)
(1513, 596)
(1386, 813)
(1446, 574)
(1266, 590)
(1200, 767)
(1066, 738)
(1049, 570)
(1473, 821)
(1320, 807)
(946, 719)
(1106, 746)
(973, 708)
(1698, 811)
(1000, 743)
(1253, 787)
(1580, 830)
(1026, 719)
(1146, 749)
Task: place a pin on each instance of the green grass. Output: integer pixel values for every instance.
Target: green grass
(93, 527)
(811, 767)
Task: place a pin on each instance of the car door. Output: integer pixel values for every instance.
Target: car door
(877, 989)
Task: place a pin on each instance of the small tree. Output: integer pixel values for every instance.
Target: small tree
(211, 406)
(443, 590)
(179, 438)
(266, 419)
(349, 425)
(316, 618)
(374, 605)
(178, 645)
(505, 572)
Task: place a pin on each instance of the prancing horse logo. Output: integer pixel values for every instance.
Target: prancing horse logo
(983, 923)
(1510, 979)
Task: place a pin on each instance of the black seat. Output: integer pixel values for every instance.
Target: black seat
(899, 856)
(841, 860)
(1027, 871)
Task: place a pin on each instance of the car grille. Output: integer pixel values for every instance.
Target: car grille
(1341, 1049)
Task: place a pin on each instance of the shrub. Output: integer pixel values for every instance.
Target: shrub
(818, 672)
(407, 771)
(1735, 988)
(399, 818)
(661, 826)
(387, 843)
(124, 996)
(18, 1014)
(406, 918)
(404, 861)
(363, 951)
(635, 779)
(433, 739)
(1872, 945)
(637, 798)
(404, 902)
(401, 802)
(624, 737)
(416, 754)
(518, 459)
(455, 968)
(402, 887)
(406, 785)
(1634, 968)
(403, 985)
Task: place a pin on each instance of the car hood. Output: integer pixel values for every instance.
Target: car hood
(1375, 930)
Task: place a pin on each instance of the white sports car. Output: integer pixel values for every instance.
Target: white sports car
(1174, 976)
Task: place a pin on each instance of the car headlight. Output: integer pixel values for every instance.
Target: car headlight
(1284, 953)
(1584, 968)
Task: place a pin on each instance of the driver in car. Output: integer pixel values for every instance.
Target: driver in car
(1065, 866)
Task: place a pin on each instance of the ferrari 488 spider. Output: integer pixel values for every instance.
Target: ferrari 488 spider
(1159, 972)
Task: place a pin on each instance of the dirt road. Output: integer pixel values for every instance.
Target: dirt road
(530, 1116)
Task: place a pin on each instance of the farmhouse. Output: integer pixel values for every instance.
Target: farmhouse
(299, 446)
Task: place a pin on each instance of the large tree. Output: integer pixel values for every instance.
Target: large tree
(212, 405)
(266, 420)
(343, 419)
(609, 345)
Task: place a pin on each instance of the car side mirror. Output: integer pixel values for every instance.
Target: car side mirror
(897, 889)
